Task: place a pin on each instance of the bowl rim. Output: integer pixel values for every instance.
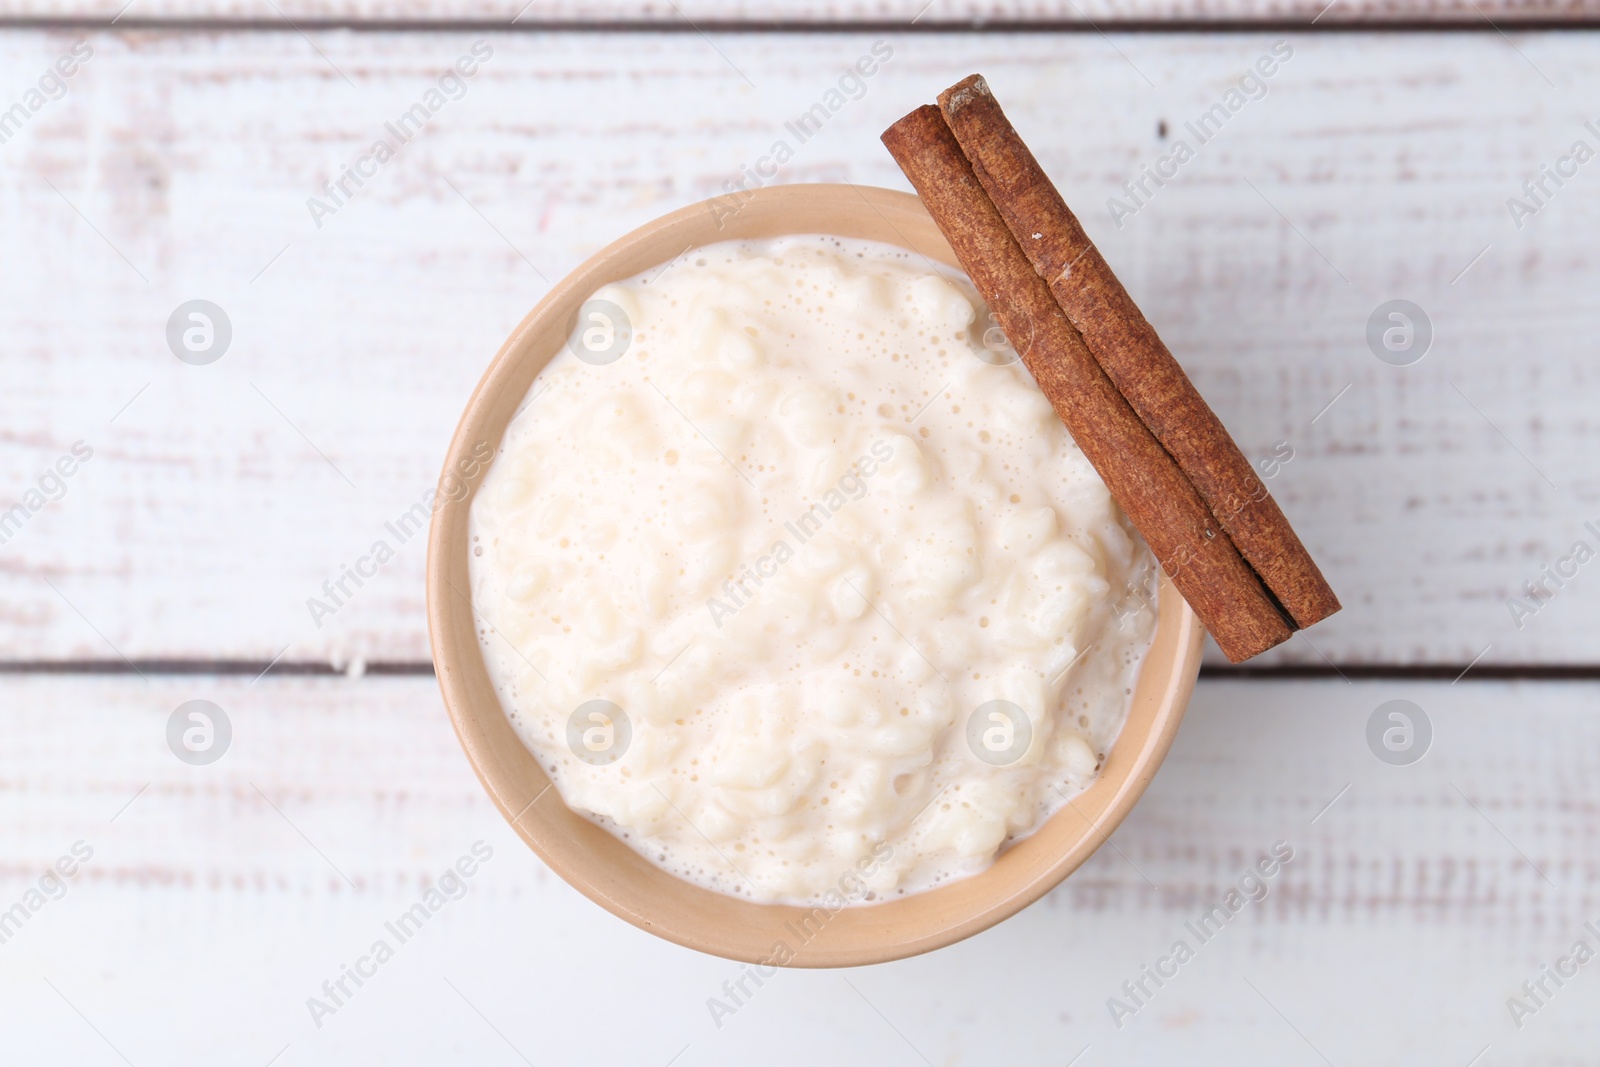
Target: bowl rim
(556, 836)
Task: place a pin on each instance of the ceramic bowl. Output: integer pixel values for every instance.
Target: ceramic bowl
(608, 871)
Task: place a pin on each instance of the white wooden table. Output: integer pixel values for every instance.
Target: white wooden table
(176, 563)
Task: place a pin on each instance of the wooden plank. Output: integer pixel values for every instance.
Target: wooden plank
(219, 498)
(1417, 900)
(690, 14)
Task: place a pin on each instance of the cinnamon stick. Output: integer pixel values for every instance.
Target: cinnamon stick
(1226, 595)
(1132, 355)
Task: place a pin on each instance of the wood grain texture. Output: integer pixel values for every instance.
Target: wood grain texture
(219, 498)
(722, 13)
(211, 908)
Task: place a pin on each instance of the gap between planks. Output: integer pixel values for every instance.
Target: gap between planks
(1474, 24)
(1452, 672)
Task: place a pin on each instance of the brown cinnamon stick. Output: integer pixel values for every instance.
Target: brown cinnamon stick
(1132, 355)
(1227, 596)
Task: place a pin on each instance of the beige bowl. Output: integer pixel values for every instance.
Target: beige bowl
(608, 871)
